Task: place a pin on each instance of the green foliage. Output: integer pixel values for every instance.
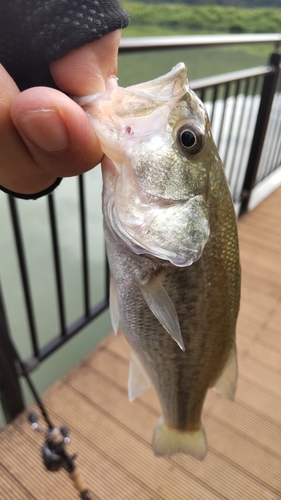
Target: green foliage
(209, 18)
(226, 3)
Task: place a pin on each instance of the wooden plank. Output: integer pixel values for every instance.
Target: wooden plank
(258, 462)
(139, 420)
(265, 218)
(274, 321)
(250, 328)
(270, 338)
(119, 345)
(254, 279)
(104, 478)
(135, 456)
(259, 400)
(112, 436)
(265, 356)
(25, 464)
(257, 238)
(260, 375)
(247, 422)
(250, 310)
(269, 211)
(116, 370)
(264, 297)
(12, 488)
(260, 224)
(261, 262)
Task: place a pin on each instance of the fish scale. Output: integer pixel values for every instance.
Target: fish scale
(170, 231)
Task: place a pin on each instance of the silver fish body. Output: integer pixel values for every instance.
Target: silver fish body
(172, 246)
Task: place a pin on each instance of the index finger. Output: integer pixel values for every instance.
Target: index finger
(86, 70)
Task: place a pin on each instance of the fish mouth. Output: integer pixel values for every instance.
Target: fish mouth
(177, 233)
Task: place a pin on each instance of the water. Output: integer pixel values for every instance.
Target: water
(36, 236)
(35, 224)
(139, 67)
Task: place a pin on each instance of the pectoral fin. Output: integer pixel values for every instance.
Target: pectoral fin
(163, 309)
(226, 384)
(138, 381)
(113, 305)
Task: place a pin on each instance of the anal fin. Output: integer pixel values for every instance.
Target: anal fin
(226, 383)
(138, 381)
(113, 306)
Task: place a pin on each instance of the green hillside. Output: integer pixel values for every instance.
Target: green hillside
(226, 3)
(207, 18)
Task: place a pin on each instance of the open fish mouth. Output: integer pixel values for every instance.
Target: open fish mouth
(177, 233)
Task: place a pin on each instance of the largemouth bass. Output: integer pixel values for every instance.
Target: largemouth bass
(171, 237)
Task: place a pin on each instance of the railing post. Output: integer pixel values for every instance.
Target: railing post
(267, 96)
(11, 394)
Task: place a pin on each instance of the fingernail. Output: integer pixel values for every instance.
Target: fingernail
(45, 128)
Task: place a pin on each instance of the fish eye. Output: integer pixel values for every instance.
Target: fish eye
(190, 139)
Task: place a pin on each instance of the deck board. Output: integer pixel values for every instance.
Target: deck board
(112, 436)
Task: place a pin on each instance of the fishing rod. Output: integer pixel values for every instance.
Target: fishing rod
(55, 456)
(53, 451)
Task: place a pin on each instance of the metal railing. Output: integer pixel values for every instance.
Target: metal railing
(244, 109)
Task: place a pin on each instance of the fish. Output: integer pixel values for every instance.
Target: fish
(172, 246)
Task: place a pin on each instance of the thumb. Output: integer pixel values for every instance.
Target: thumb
(56, 131)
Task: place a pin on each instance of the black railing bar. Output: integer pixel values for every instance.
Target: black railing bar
(268, 156)
(199, 93)
(107, 278)
(246, 92)
(225, 96)
(279, 149)
(24, 274)
(279, 152)
(261, 179)
(234, 159)
(276, 146)
(275, 162)
(214, 100)
(12, 400)
(233, 114)
(272, 146)
(202, 97)
(48, 349)
(267, 95)
(237, 170)
(57, 263)
(85, 261)
(254, 90)
(230, 77)
(135, 44)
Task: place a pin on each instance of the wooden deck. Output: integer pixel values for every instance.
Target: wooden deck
(112, 436)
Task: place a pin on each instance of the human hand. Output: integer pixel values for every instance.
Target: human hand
(44, 133)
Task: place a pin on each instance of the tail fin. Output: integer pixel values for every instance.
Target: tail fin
(168, 442)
